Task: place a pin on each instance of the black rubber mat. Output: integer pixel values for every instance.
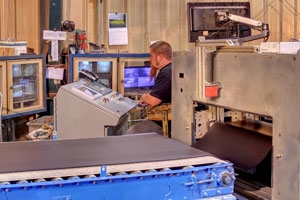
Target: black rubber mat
(62, 154)
(244, 148)
(146, 126)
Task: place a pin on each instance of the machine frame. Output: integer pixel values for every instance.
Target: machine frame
(137, 166)
(257, 83)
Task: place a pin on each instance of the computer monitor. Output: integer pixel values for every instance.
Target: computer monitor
(134, 77)
(137, 78)
(202, 20)
(24, 89)
(104, 67)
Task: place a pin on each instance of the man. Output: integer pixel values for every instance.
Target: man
(161, 62)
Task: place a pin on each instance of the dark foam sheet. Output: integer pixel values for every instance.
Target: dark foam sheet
(244, 148)
(62, 154)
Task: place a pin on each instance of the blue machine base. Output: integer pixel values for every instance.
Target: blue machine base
(212, 182)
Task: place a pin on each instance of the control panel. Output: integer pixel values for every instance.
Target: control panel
(103, 97)
(90, 109)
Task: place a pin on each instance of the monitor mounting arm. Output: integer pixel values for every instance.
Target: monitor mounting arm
(223, 16)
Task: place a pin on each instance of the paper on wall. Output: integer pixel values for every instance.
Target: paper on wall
(55, 73)
(117, 29)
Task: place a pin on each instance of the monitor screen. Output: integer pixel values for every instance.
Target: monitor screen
(17, 90)
(85, 65)
(23, 87)
(17, 70)
(96, 66)
(29, 69)
(137, 77)
(202, 20)
(104, 66)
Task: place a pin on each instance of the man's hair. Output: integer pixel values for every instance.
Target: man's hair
(162, 47)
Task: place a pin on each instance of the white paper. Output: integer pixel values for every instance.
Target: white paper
(54, 35)
(289, 47)
(55, 73)
(117, 29)
(54, 50)
(269, 47)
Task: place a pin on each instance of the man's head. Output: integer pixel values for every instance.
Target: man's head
(160, 55)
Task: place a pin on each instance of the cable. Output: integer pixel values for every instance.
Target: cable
(215, 33)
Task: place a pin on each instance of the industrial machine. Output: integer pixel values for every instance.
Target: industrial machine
(139, 166)
(87, 109)
(228, 114)
(242, 106)
(83, 164)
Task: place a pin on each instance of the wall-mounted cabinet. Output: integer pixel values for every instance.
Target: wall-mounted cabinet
(23, 85)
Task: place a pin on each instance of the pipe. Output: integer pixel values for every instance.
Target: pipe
(99, 23)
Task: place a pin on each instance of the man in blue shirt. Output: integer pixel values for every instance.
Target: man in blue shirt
(161, 70)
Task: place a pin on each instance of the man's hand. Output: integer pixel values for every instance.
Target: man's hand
(147, 99)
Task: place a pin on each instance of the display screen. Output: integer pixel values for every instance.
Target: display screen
(202, 20)
(86, 91)
(23, 87)
(85, 65)
(29, 70)
(96, 67)
(104, 66)
(17, 70)
(137, 77)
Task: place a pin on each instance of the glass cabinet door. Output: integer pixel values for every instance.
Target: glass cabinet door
(104, 68)
(3, 86)
(25, 83)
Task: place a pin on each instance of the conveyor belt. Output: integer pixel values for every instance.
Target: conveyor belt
(244, 148)
(28, 160)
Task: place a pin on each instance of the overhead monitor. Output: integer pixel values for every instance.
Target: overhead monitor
(202, 20)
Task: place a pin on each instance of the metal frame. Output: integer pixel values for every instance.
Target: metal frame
(137, 166)
(259, 83)
(211, 182)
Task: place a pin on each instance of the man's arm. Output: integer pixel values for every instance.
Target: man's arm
(147, 99)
